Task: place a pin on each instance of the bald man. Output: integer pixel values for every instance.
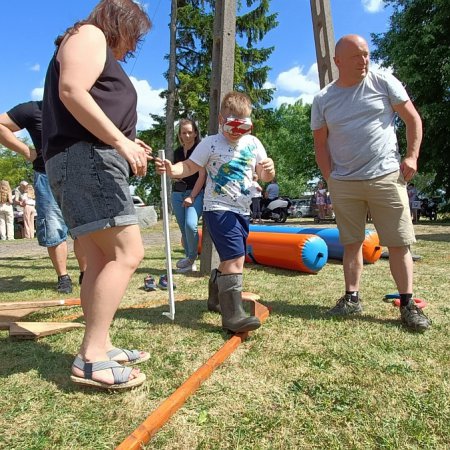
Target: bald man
(357, 152)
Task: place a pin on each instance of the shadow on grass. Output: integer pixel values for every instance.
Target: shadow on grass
(22, 356)
(18, 283)
(316, 312)
(444, 237)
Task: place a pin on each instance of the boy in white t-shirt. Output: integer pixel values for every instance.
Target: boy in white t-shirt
(230, 157)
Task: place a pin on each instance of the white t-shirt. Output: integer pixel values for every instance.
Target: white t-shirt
(230, 168)
(361, 128)
(254, 191)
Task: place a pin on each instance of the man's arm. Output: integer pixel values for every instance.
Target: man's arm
(9, 139)
(413, 124)
(323, 157)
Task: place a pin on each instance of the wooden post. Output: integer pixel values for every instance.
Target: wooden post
(222, 81)
(324, 40)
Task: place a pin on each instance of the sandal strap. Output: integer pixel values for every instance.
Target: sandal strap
(132, 355)
(120, 373)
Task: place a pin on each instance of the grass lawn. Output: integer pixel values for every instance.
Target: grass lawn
(302, 381)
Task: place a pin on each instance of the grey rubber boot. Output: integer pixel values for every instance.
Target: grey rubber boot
(213, 292)
(234, 318)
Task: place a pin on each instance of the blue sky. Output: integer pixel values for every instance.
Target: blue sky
(29, 27)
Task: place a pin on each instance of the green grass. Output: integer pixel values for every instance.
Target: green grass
(302, 381)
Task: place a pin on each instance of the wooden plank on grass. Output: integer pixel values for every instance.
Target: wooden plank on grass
(12, 311)
(36, 330)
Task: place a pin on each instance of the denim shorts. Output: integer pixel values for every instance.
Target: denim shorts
(51, 230)
(229, 232)
(91, 187)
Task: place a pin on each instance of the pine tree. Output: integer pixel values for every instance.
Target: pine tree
(194, 49)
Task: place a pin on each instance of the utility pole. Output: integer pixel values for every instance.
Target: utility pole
(324, 40)
(222, 81)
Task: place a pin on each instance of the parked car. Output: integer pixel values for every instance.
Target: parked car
(137, 201)
(301, 207)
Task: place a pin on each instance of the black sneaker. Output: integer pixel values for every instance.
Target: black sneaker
(413, 317)
(64, 285)
(345, 306)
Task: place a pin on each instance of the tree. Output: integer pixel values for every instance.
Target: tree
(286, 135)
(194, 49)
(417, 47)
(14, 168)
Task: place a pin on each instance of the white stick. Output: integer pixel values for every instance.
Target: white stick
(171, 313)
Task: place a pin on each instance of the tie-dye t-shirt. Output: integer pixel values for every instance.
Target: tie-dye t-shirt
(230, 168)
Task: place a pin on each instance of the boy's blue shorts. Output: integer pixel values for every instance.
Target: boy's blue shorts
(229, 232)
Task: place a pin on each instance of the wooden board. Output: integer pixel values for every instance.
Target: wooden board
(12, 311)
(36, 330)
(250, 296)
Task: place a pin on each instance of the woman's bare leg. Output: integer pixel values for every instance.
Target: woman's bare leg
(112, 257)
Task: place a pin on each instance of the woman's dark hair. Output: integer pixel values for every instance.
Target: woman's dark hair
(122, 22)
(194, 127)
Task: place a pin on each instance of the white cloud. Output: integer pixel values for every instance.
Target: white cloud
(149, 102)
(37, 93)
(294, 80)
(375, 67)
(372, 6)
(293, 85)
(35, 68)
(269, 85)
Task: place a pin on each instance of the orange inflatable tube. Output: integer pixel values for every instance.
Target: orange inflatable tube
(303, 252)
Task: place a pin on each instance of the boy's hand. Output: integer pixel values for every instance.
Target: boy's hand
(163, 166)
(268, 166)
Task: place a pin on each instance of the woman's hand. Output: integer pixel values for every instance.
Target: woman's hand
(137, 154)
(188, 201)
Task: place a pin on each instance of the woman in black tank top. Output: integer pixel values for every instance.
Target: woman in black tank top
(89, 120)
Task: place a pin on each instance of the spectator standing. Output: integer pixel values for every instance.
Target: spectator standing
(89, 143)
(187, 196)
(6, 212)
(353, 121)
(413, 198)
(29, 212)
(51, 230)
(256, 194)
(321, 200)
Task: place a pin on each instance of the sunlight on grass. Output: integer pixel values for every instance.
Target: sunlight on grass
(303, 381)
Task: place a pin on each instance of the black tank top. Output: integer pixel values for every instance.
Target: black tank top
(113, 92)
(178, 155)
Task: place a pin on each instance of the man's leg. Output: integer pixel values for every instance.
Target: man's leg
(353, 265)
(58, 255)
(350, 208)
(401, 265)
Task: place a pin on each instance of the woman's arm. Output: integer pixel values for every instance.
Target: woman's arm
(82, 58)
(198, 186)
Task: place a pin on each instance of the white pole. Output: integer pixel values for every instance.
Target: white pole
(171, 313)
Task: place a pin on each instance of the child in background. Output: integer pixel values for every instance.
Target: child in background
(256, 194)
(230, 158)
(6, 212)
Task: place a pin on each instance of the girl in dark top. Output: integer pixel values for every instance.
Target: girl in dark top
(187, 196)
(89, 120)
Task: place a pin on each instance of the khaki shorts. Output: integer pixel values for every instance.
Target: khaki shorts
(388, 202)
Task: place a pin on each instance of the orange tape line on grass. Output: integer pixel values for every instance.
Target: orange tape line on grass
(144, 432)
